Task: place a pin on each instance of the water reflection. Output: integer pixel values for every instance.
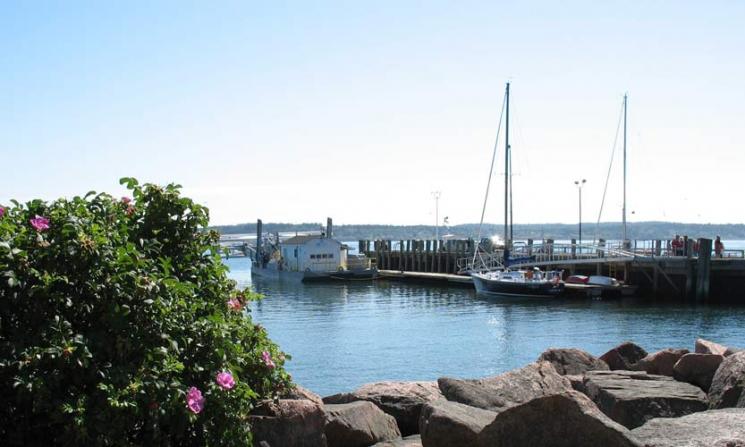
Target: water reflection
(342, 335)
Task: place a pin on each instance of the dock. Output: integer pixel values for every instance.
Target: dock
(658, 271)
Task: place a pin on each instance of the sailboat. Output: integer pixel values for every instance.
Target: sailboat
(503, 281)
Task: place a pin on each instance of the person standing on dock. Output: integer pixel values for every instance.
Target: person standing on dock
(677, 246)
(718, 248)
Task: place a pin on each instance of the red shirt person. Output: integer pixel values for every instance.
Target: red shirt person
(718, 247)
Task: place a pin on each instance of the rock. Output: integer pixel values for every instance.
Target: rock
(358, 424)
(697, 369)
(623, 356)
(633, 397)
(289, 423)
(572, 361)
(402, 400)
(720, 428)
(409, 441)
(513, 387)
(728, 383)
(660, 362)
(709, 347)
(577, 381)
(447, 424)
(731, 351)
(300, 393)
(559, 420)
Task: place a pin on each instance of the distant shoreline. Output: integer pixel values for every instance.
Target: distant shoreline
(606, 230)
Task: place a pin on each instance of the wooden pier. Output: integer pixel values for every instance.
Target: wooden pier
(658, 271)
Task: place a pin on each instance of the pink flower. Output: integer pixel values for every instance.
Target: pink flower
(40, 223)
(267, 358)
(225, 380)
(235, 304)
(194, 400)
(130, 210)
(126, 200)
(2, 211)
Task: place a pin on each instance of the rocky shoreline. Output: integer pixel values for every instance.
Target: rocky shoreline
(626, 397)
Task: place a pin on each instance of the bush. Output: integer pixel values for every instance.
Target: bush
(111, 310)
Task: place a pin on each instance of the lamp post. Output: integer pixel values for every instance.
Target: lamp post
(579, 184)
(436, 195)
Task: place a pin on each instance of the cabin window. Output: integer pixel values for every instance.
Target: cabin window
(312, 256)
(331, 256)
(296, 252)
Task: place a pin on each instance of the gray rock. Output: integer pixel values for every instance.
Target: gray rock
(358, 424)
(447, 424)
(697, 369)
(503, 391)
(728, 383)
(709, 347)
(559, 420)
(720, 428)
(572, 361)
(289, 423)
(409, 441)
(633, 397)
(624, 356)
(300, 393)
(402, 400)
(660, 362)
(577, 381)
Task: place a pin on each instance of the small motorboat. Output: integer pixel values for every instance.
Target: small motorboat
(525, 283)
(609, 287)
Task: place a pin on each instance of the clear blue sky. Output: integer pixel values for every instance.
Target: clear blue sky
(358, 110)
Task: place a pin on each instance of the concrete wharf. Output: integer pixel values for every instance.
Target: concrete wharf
(692, 272)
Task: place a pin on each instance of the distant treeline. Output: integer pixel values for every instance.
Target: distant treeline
(609, 230)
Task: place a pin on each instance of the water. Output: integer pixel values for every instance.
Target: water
(342, 335)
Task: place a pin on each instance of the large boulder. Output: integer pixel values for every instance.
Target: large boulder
(633, 397)
(358, 424)
(409, 441)
(559, 420)
(623, 356)
(402, 400)
(299, 393)
(505, 390)
(709, 347)
(289, 423)
(660, 362)
(728, 383)
(713, 428)
(447, 424)
(572, 361)
(697, 369)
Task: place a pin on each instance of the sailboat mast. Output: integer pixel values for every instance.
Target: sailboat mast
(512, 227)
(625, 96)
(506, 164)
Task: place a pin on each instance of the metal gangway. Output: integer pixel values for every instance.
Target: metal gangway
(552, 254)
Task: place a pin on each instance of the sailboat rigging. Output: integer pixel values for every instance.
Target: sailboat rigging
(505, 282)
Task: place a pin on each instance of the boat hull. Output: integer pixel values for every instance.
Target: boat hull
(542, 289)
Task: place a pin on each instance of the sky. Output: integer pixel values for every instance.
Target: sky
(295, 111)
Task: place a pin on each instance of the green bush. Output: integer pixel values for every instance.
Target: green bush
(111, 310)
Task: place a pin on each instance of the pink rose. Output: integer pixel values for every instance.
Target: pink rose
(194, 400)
(267, 358)
(2, 211)
(126, 200)
(40, 223)
(235, 304)
(225, 380)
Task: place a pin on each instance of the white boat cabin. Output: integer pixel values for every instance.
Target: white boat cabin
(314, 253)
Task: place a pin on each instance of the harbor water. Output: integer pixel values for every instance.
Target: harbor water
(342, 335)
